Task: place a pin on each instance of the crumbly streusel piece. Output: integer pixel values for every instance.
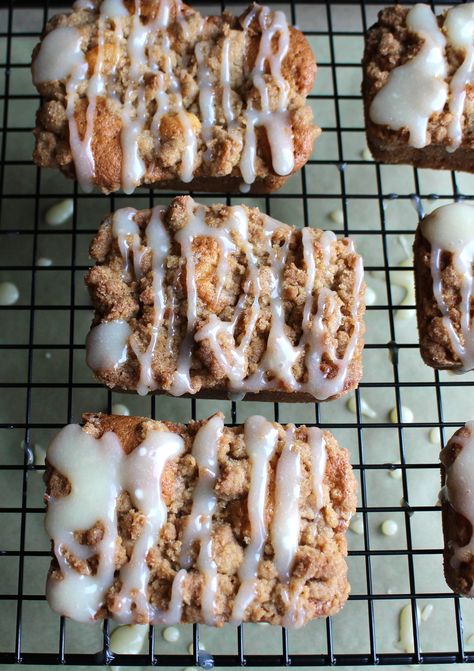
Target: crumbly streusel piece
(165, 523)
(167, 98)
(224, 300)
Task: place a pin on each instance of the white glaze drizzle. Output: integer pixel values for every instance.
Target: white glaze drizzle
(261, 439)
(235, 369)
(132, 110)
(167, 103)
(458, 491)
(199, 524)
(75, 595)
(225, 82)
(172, 103)
(206, 93)
(319, 384)
(196, 227)
(74, 68)
(317, 445)
(142, 471)
(157, 239)
(285, 528)
(281, 354)
(173, 614)
(98, 470)
(126, 231)
(276, 122)
(451, 228)
(103, 471)
(459, 26)
(295, 615)
(84, 4)
(82, 148)
(134, 115)
(276, 366)
(417, 89)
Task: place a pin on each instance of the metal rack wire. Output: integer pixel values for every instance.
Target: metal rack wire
(25, 420)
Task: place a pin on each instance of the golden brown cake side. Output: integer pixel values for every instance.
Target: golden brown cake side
(443, 257)
(457, 478)
(213, 92)
(227, 301)
(449, 138)
(257, 461)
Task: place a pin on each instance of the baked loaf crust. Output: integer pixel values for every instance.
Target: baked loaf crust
(430, 123)
(443, 257)
(457, 478)
(252, 523)
(224, 300)
(169, 99)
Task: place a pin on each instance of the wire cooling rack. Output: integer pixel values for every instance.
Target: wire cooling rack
(44, 383)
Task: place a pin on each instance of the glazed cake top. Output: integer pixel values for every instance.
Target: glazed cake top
(150, 90)
(136, 507)
(419, 74)
(193, 298)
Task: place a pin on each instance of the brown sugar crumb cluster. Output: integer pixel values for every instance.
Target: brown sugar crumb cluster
(131, 140)
(319, 571)
(388, 45)
(223, 291)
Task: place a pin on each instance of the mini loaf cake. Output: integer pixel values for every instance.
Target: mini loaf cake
(151, 93)
(161, 523)
(417, 87)
(224, 301)
(444, 255)
(457, 501)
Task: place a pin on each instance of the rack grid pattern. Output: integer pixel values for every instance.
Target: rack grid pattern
(305, 196)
